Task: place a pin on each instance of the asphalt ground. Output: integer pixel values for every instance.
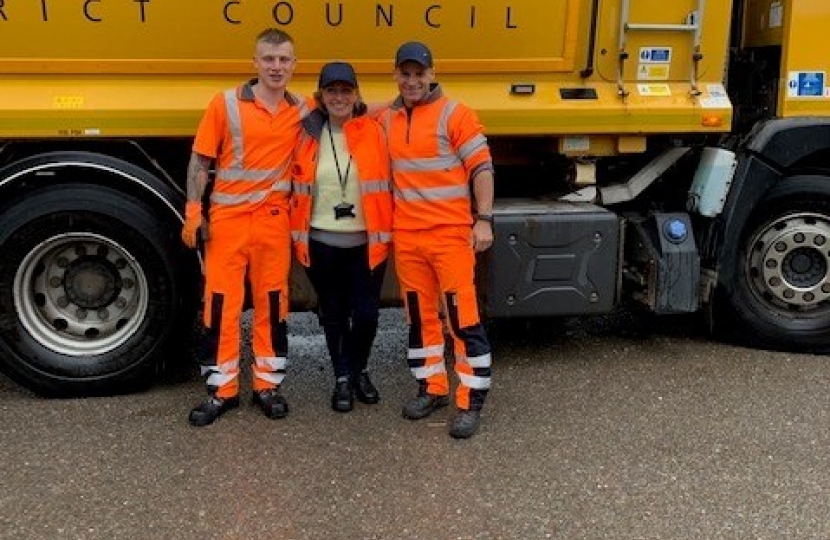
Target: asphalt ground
(623, 427)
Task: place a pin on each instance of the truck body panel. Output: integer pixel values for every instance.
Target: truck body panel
(121, 68)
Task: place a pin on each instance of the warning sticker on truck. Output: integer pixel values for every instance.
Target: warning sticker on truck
(654, 63)
(654, 90)
(653, 72)
(805, 84)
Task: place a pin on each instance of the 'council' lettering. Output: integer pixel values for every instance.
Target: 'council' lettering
(333, 14)
(283, 12)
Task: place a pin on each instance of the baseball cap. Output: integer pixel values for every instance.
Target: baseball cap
(337, 72)
(414, 51)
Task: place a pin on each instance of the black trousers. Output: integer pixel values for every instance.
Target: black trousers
(348, 293)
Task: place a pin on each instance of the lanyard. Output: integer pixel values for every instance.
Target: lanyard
(342, 178)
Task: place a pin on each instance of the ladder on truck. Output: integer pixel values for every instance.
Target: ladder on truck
(691, 27)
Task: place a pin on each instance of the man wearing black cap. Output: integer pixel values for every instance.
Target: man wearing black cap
(442, 175)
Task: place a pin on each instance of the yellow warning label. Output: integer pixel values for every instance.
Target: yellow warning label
(653, 72)
(654, 90)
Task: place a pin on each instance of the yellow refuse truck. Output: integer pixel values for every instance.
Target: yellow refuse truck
(674, 154)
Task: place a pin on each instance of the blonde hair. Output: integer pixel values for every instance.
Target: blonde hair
(274, 36)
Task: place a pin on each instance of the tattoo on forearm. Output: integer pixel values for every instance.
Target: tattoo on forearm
(197, 177)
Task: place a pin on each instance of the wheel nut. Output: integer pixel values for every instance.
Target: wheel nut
(55, 281)
(103, 314)
(121, 303)
(81, 313)
(62, 302)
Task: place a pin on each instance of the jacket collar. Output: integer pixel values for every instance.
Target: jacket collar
(246, 93)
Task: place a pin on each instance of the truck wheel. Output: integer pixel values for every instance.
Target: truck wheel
(780, 295)
(88, 295)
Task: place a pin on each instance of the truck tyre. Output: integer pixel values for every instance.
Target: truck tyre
(779, 294)
(89, 299)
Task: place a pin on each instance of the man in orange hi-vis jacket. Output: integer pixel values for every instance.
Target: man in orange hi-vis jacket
(439, 155)
(251, 133)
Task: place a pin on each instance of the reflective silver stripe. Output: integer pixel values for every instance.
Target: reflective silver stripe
(472, 146)
(235, 126)
(432, 194)
(426, 352)
(222, 374)
(443, 131)
(476, 383)
(439, 163)
(252, 197)
(428, 371)
(374, 186)
(482, 361)
(272, 363)
(299, 236)
(229, 200)
(236, 170)
(282, 186)
(380, 237)
(247, 175)
(272, 378)
(301, 188)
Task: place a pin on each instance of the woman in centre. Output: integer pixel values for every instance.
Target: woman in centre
(341, 223)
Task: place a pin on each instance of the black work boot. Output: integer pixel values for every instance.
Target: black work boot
(271, 402)
(424, 405)
(465, 424)
(341, 398)
(364, 390)
(208, 411)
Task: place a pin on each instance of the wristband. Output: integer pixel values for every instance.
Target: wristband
(485, 217)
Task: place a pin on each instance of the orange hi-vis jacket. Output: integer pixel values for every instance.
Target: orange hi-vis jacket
(367, 146)
(253, 164)
(436, 149)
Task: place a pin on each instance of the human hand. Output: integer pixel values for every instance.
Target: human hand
(482, 236)
(194, 225)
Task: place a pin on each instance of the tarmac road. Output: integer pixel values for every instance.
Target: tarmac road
(615, 428)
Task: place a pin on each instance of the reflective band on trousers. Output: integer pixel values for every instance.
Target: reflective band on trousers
(272, 362)
(483, 361)
(426, 352)
(221, 374)
(476, 383)
(426, 372)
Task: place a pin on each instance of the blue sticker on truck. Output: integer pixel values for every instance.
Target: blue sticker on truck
(655, 55)
(806, 84)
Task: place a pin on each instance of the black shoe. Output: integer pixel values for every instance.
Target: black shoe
(272, 403)
(423, 405)
(208, 411)
(364, 390)
(341, 399)
(465, 424)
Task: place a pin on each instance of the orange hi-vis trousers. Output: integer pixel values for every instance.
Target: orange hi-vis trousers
(258, 244)
(436, 270)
